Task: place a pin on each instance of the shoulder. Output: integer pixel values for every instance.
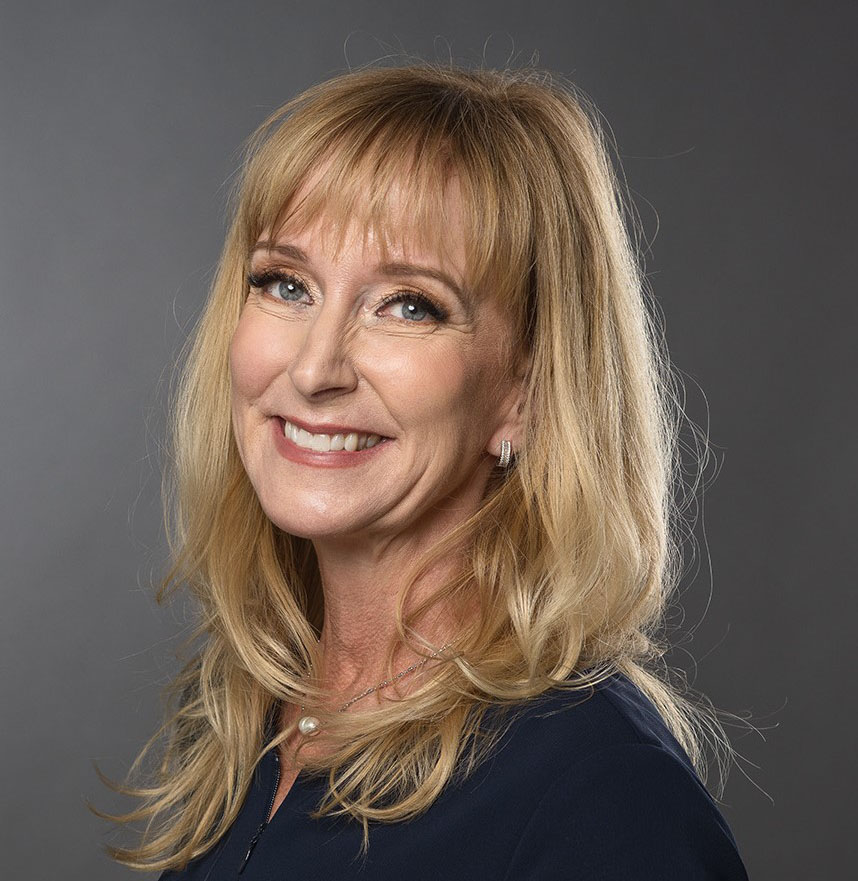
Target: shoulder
(561, 727)
(629, 810)
(616, 797)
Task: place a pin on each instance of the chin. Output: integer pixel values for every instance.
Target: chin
(314, 524)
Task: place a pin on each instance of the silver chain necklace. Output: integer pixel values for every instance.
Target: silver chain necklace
(310, 725)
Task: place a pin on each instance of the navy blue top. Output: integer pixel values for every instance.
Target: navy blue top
(583, 785)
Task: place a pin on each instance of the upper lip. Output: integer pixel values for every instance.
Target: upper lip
(329, 427)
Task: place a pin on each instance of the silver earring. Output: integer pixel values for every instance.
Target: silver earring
(506, 451)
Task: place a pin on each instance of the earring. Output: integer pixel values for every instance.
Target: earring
(506, 451)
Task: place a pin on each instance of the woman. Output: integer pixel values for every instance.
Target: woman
(424, 451)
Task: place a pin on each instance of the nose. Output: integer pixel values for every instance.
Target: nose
(323, 366)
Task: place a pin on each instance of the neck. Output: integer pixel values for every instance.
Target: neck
(363, 573)
(356, 635)
(361, 598)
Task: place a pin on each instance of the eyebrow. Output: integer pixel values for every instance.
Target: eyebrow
(392, 268)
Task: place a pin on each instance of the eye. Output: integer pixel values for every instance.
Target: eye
(284, 286)
(416, 307)
(288, 288)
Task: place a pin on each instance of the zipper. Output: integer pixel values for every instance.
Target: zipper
(261, 828)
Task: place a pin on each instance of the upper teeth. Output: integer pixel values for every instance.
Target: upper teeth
(324, 443)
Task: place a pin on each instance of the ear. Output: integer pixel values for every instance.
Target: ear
(511, 427)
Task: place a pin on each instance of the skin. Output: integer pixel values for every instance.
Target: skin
(329, 352)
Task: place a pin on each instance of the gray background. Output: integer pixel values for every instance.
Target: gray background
(120, 129)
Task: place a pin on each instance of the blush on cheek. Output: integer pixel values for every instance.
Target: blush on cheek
(251, 369)
(237, 371)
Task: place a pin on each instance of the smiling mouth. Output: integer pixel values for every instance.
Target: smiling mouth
(350, 442)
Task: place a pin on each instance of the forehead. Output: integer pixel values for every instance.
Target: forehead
(402, 222)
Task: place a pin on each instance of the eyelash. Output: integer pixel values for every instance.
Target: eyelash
(438, 313)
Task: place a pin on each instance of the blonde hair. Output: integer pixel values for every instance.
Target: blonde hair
(574, 553)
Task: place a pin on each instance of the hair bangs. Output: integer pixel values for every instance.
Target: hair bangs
(397, 202)
(393, 179)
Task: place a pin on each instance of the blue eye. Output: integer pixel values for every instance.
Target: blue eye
(287, 285)
(415, 305)
(289, 288)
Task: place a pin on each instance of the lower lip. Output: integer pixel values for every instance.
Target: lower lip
(336, 459)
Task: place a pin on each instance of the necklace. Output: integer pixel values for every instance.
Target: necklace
(310, 725)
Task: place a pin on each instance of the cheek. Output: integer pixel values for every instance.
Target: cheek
(252, 358)
(431, 387)
(475, 390)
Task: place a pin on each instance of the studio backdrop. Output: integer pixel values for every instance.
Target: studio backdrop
(123, 123)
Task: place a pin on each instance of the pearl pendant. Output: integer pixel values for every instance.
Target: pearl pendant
(309, 725)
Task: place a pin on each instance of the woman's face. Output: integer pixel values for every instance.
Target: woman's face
(337, 344)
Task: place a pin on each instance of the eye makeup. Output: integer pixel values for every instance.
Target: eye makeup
(268, 277)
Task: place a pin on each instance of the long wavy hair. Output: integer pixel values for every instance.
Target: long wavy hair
(574, 553)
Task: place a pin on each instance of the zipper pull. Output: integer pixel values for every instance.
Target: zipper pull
(253, 841)
(264, 823)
